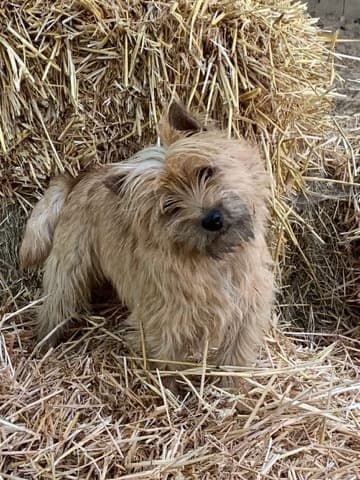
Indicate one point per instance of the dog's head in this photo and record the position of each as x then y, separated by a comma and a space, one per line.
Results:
206, 196
212, 189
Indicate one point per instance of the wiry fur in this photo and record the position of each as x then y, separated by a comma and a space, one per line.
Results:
138, 224
41, 225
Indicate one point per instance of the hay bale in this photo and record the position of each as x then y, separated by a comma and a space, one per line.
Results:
323, 292
84, 83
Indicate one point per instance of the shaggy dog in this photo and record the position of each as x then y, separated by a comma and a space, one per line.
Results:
178, 230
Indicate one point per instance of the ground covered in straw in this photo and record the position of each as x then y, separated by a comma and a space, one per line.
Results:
89, 411
84, 83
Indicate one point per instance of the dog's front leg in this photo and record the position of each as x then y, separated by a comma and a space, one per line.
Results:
156, 342
238, 347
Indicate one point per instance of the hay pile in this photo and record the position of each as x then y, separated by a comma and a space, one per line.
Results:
84, 82
88, 412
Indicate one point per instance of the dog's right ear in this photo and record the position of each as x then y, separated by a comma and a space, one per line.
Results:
115, 182
177, 124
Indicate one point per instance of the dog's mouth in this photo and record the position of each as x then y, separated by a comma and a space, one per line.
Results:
224, 231
219, 254
228, 240
219, 249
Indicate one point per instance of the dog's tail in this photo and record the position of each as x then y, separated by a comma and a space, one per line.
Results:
39, 232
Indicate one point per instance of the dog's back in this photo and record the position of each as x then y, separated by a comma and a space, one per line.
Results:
38, 238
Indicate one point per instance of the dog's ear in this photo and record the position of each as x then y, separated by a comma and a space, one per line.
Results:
177, 124
179, 119
115, 182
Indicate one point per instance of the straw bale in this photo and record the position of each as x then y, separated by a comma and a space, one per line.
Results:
84, 82
321, 286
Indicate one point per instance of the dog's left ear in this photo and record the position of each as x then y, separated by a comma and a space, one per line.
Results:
178, 124
180, 120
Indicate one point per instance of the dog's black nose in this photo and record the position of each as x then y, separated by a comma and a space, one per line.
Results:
213, 221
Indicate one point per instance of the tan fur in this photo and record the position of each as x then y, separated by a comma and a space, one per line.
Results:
138, 224
41, 225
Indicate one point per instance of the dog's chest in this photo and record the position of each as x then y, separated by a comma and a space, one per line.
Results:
205, 294
193, 297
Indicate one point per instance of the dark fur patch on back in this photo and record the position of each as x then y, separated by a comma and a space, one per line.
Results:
115, 182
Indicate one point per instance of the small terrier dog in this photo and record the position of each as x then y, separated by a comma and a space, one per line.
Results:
179, 231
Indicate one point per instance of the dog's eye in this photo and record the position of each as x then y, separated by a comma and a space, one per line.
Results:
170, 205
205, 173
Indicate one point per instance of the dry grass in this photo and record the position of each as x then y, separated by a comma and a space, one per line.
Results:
89, 411
325, 295
84, 82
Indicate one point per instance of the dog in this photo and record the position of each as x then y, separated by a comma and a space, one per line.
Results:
179, 230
